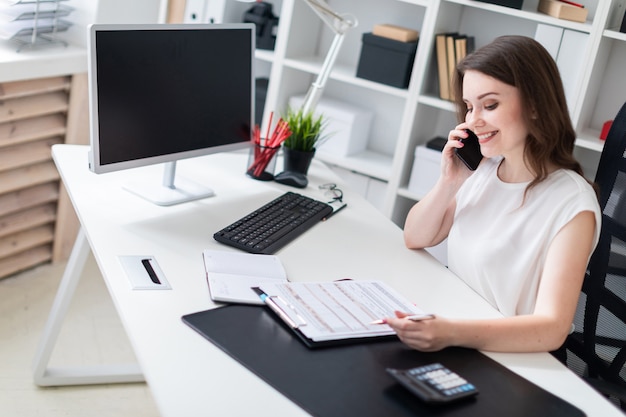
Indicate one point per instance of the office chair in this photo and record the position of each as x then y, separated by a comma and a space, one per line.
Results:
597, 349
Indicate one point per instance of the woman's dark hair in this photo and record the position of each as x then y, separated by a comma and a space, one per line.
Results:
524, 63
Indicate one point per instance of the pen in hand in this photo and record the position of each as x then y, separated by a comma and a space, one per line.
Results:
414, 317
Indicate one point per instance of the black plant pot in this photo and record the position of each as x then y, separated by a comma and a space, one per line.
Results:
296, 166
297, 161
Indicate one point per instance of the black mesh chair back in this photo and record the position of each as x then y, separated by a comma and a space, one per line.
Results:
597, 348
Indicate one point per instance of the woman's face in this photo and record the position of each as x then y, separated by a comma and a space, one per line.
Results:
494, 113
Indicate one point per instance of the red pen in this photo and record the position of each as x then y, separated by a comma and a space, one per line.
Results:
571, 3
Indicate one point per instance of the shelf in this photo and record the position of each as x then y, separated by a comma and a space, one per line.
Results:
588, 139
264, 55
34, 1
28, 198
25, 154
373, 164
32, 129
437, 103
423, 3
27, 177
21, 241
25, 260
343, 73
527, 14
52, 62
615, 35
32, 87
32, 106
27, 219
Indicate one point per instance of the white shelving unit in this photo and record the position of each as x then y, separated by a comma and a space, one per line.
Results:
405, 118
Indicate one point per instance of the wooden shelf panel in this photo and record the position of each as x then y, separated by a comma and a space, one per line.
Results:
27, 154
28, 197
33, 87
31, 106
33, 117
25, 260
28, 239
31, 129
27, 219
28, 176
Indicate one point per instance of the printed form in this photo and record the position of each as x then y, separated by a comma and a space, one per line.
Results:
339, 309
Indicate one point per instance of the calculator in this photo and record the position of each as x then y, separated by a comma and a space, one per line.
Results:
434, 383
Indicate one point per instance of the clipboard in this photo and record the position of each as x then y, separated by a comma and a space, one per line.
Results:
335, 313
290, 320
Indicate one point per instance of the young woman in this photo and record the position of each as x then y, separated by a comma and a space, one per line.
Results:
521, 228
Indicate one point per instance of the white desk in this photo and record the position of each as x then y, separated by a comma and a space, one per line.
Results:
188, 375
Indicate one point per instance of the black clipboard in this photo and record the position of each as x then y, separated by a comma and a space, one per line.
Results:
351, 380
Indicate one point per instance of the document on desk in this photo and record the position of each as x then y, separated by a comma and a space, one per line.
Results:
323, 312
230, 275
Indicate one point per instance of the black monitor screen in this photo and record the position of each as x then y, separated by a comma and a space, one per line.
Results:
165, 92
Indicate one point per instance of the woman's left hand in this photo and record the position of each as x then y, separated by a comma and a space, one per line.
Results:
428, 335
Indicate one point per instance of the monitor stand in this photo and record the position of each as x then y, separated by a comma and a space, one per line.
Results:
168, 193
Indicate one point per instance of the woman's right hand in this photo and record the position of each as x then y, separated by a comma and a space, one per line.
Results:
429, 220
452, 168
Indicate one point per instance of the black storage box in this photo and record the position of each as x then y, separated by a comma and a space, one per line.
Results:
386, 60
515, 4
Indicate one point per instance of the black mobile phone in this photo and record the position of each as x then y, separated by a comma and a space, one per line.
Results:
470, 152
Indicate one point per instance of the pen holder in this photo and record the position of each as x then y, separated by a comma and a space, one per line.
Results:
262, 162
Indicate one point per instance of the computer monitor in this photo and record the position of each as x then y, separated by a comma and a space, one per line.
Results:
164, 92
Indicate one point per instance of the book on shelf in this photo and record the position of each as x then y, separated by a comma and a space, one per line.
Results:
395, 32
442, 66
563, 10
460, 47
231, 275
451, 61
451, 48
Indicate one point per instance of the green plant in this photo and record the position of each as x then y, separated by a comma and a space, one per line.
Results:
306, 130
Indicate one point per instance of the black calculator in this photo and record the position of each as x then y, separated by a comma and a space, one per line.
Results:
434, 383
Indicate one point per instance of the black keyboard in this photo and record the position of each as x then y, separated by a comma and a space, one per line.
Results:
277, 223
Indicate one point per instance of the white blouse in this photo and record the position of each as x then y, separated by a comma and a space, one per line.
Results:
498, 246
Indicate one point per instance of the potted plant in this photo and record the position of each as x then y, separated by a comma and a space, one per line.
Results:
306, 133
306, 130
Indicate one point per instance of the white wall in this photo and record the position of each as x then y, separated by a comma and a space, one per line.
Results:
87, 12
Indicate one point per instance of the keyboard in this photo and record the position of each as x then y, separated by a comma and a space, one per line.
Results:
277, 223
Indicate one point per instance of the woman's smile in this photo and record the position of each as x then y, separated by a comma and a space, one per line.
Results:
485, 137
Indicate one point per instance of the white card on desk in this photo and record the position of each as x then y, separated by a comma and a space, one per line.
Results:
231, 275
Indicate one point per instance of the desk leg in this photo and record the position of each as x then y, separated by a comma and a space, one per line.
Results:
83, 375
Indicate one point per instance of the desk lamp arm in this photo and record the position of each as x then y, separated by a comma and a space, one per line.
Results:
340, 25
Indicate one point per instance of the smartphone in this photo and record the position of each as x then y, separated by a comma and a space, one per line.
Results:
470, 152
